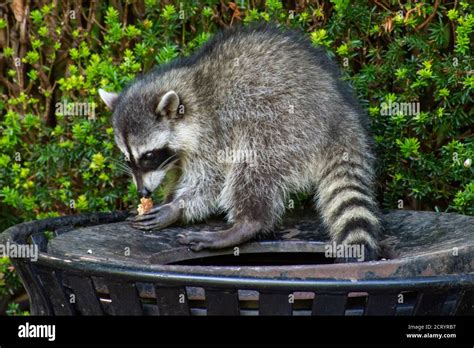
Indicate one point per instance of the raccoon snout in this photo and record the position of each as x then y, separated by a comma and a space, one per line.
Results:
144, 192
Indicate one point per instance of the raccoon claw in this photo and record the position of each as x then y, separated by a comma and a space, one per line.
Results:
157, 218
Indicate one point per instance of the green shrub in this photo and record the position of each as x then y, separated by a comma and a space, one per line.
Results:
52, 163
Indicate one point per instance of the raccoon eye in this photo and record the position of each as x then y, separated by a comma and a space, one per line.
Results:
148, 156
153, 159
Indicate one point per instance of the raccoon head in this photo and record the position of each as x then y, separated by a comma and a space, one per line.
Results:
145, 132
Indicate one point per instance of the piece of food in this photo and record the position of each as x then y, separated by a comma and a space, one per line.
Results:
145, 205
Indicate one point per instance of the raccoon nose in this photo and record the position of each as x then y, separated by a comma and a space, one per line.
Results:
145, 193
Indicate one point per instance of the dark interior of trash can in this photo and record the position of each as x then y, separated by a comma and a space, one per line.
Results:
263, 253
259, 259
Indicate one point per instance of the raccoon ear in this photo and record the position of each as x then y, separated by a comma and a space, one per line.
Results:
168, 105
109, 98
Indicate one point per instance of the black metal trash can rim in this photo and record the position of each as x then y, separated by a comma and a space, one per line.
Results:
231, 277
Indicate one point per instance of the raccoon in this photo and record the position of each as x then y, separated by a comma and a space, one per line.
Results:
256, 114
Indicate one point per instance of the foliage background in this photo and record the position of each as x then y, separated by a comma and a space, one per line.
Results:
64, 50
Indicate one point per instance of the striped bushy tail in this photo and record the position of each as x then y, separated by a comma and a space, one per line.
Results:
346, 201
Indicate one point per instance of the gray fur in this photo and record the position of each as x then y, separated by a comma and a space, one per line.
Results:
268, 92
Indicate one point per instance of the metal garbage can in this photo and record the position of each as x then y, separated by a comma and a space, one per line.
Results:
96, 264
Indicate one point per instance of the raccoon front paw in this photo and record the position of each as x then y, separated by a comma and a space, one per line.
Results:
157, 218
197, 241
239, 233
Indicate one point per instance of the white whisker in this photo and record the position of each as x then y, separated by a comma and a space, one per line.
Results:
167, 161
